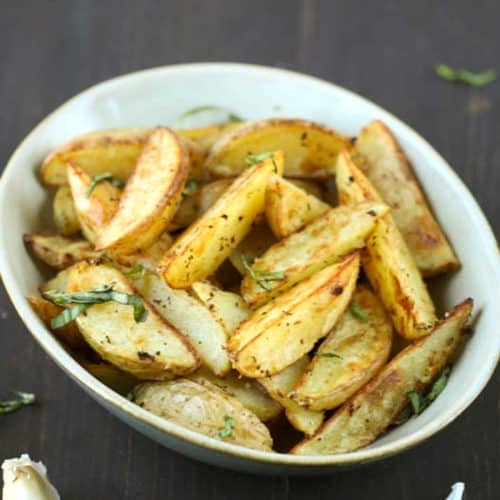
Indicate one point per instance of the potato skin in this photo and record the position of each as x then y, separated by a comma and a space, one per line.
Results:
204, 409
389, 170
65, 217
371, 410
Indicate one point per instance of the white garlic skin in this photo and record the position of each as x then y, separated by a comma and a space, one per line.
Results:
24, 479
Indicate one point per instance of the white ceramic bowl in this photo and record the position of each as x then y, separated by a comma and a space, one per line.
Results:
159, 96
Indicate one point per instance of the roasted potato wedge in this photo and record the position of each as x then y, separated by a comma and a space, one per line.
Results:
206, 137
259, 239
389, 170
279, 387
152, 349
313, 188
46, 310
58, 282
280, 332
151, 196
369, 412
227, 307
190, 317
351, 354
58, 251
388, 263
65, 217
205, 409
248, 392
289, 208
201, 249
94, 210
211, 192
310, 149
111, 376
324, 241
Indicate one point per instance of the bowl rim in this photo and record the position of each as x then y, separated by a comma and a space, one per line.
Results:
102, 393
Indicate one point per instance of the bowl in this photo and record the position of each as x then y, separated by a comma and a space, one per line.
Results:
160, 96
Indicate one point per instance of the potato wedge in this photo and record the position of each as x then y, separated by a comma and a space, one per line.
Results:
46, 310
388, 262
152, 349
209, 241
314, 188
211, 192
65, 217
349, 357
248, 392
279, 387
151, 196
289, 208
227, 307
59, 251
322, 242
370, 411
207, 336
111, 376
94, 210
58, 282
257, 242
388, 168
280, 332
310, 149
205, 409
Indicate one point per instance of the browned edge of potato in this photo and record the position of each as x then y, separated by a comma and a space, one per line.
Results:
371, 410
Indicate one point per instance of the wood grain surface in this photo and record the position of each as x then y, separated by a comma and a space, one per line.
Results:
383, 50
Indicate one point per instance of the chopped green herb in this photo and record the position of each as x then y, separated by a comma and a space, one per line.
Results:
137, 271
101, 178
130, 396
419, 403
227, 429
190, 188
357, 311
86, 298
262, 278
23, 399
230, 116
329, 355
465, 76
254, 159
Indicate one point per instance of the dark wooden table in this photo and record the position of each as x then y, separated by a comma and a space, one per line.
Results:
384, 50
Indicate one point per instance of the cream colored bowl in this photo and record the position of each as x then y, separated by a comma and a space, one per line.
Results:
159, 96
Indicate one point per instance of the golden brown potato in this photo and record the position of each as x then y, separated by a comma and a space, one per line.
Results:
310, 149
152, 349
195, 321
109, 375
356, 348
58, 251
289, 208
65, 217
314, 188
279, 387
151, 196
248, 392
392, 175
259, 239
58, 282
202, 248
205, 409
46, 310
369, 412
324, 241
280, 332
388, 262
211, 192
95, 209
227, 307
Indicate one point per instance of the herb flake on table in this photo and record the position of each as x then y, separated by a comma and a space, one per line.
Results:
419, 403
475, 79
86, 298
101, 178
23, 399
262, 278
